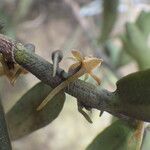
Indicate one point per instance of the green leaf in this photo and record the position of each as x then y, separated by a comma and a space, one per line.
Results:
23, 118
6, 25
23, 9
143, 23
110, 13
118, 57
133, 93
135, 88
135, 40
139, 48
118, 136
1, 26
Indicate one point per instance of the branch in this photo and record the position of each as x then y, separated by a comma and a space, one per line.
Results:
86, 93
126, 101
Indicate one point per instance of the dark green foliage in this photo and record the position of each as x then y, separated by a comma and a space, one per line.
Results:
143, 23
133, 92
23, 118
134, 88
118, 136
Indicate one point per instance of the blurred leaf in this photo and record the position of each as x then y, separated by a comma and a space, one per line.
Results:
118, 57
143, 23
110, 13
113, 52
123, 58
23, 118
22, 9
1, 26
7, 23
136, 45
135, 40
119, 135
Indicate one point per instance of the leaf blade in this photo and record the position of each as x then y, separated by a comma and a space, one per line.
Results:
23, 118
118, 136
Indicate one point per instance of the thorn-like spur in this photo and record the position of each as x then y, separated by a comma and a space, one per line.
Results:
83, 65
30, 47
81, 111
57, 56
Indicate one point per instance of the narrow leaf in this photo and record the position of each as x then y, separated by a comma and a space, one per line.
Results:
110, 14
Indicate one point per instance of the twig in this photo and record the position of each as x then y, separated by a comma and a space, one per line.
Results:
87, 94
